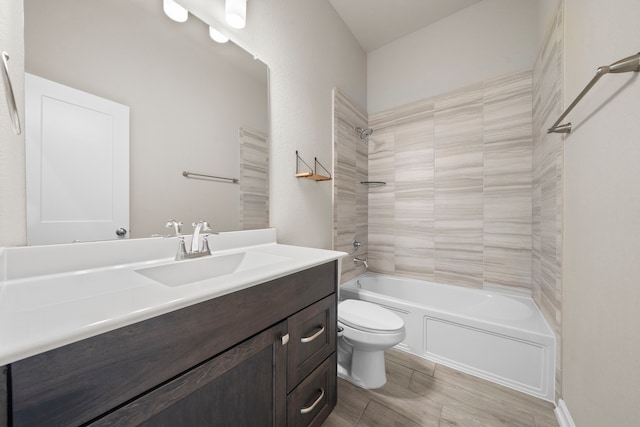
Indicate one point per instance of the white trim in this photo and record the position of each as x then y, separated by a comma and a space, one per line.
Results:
563, 416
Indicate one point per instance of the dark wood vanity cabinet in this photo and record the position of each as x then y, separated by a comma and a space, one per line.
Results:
263, 356
4, 404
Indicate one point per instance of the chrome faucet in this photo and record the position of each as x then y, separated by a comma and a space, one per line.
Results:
199, 226
195, 251
363, 261
177, 226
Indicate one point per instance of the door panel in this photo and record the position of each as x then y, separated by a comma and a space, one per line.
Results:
77, 164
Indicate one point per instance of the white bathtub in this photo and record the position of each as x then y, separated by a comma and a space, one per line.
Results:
499, 337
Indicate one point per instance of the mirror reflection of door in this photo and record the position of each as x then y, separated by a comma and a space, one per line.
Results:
77, 156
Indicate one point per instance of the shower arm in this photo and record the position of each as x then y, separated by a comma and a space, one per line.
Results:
625, 65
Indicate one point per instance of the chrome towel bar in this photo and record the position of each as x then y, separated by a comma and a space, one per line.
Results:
8, 91
625, 65
195, 175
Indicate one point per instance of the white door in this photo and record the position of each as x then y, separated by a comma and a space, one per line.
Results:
77, 154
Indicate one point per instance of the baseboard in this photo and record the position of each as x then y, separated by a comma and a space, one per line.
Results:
563, 416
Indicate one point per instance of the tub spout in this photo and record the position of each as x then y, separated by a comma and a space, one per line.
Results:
363, 261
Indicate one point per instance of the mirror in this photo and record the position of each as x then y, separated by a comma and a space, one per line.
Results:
192, 101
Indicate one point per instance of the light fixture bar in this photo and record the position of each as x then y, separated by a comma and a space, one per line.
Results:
174, 11
235, 13
217, 36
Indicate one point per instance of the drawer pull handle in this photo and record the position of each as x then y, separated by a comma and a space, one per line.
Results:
284, 339
310, 408
314, 336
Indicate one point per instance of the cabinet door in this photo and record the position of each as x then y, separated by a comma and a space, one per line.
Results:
244, 386
4, 400
313, 338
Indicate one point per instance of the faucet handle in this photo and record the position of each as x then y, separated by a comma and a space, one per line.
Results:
176, 225
205, 245
182, 250
203, 224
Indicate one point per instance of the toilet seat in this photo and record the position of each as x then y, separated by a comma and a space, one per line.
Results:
369, 317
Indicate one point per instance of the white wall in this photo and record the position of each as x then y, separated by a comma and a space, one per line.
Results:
601, 290
485, 40
12, 179
309, 51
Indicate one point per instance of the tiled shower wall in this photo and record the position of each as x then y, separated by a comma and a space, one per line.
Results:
254, 179
456, 208
547, 182
350, 196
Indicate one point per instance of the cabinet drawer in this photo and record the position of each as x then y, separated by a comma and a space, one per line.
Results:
312, 338
314, 399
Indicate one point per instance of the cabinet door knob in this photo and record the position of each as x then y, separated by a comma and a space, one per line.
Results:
284, 339
314, 336
310, 408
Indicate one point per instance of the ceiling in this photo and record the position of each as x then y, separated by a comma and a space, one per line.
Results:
375, 23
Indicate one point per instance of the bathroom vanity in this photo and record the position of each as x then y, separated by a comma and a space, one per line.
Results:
261, 355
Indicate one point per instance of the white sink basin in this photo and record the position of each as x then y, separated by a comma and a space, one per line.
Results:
196, 270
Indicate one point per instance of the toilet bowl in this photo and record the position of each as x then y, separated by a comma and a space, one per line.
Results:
367, 331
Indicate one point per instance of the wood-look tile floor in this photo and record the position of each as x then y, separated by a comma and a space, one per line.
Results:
422, 393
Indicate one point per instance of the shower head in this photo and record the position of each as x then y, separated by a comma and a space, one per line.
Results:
364, 133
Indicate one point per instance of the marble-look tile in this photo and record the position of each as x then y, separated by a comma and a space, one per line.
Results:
362, 196
381, 234
382, 120
508, 108
381, 157
350, 168
508, 181
414, 203
382, 200
254, 179
458, 188
459, 178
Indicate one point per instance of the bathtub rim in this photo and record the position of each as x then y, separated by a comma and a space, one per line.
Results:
496, 326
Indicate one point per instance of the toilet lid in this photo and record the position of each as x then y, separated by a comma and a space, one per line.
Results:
368, 316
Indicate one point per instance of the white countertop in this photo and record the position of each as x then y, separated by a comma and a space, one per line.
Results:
64, 304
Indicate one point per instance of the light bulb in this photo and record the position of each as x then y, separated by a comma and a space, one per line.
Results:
217, 35
235, 12
174, 11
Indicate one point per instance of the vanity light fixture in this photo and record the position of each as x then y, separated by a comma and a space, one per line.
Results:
174, 11
235, 12
217, 36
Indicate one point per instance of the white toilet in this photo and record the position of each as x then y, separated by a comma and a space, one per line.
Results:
367, 331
